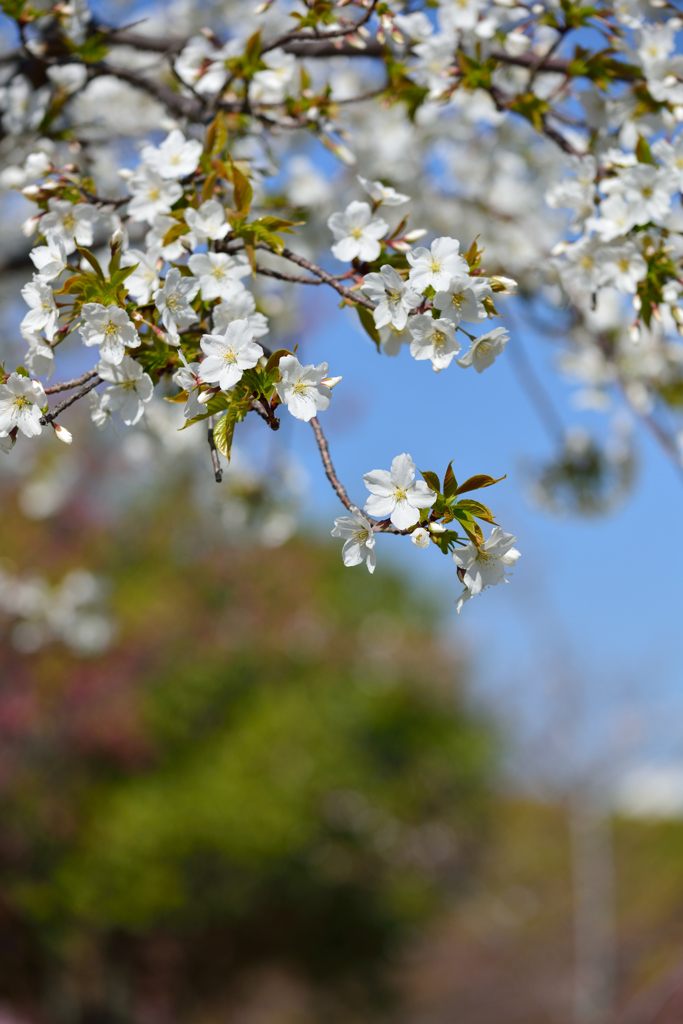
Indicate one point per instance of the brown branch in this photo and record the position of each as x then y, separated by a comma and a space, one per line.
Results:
51, 416
301, 261
335, 33
217, 471
183, 106
287, 277
330, 472
69, 384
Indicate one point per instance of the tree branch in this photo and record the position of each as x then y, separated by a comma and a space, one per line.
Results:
49, 417
217, 471
69, 384
330, 472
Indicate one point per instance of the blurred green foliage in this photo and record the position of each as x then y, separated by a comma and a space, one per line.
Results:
272, 764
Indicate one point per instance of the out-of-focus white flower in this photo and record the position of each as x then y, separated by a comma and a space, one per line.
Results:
239, 305
49, 260
144, 280
275, 82
381, 194
73, 222
484, 350
132, 388
21, 403
207, 224
43, 314
152, 194
176, 157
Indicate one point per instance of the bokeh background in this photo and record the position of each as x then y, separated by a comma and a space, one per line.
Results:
240, 783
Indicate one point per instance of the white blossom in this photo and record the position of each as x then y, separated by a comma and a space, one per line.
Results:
187, 378
73, 222
21, 403
392, 341
154, 238
357, 233
202, 65
383, 195
43, 314
144, 280
300, 388
420, 537
275, 82
359, 539
393, 296
464, 299
483, 350
433, 339
207, 224
152, 194
395, 494
484, 566
110, 328
176, 157
229, 354
173, 301
218, 274
131, 389
623, 266
436, 266
49, 260
240, 305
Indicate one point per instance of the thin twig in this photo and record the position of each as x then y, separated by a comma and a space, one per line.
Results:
287, 277
347, 293
287, 37
67, 385
330, 472
49, 417
217, 471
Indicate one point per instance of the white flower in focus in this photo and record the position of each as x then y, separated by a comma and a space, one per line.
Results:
300, 388
437, 266
73, 222
383, 195
132, 388
218, 274
393, 296
229, 355
21, 403
420, 537
484, 566
187, 378
359, 539
43, 314
110, 328
623, 266
173, 301
395, 494
176, 157
239, 306
464, 299
49, 260
151, 194
483, 351
433, 339
357, 233
144, 280
207, 224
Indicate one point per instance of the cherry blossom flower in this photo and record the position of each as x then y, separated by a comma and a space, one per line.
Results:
40, 358
420, 537
300, 388
623, 266
383, 195
202, 65
154, 238
392, 341
433, 339
395, 494
152, 194
207, 224
272, 84
240, 305
43, 314
176, 157
218, 274
173, 301
110, 328
394, 298
131, 389
357, 233
483, 350
228, 355
484, 566
437, 266
464, 299
21, 403
359, 539
49, 260
187, 378
145, 278
73, 222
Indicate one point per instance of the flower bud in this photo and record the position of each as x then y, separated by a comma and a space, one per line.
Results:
420, 537
62, 434
31, 191
412, 236
437, 528
205, 397
116, 239
330, 382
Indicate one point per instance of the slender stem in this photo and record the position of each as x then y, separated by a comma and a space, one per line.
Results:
67, 385
51, 416
347, 293
298, 279
330, 471
217, 471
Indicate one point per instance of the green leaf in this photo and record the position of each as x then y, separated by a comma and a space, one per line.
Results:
471, 528
476, 508
223, 432
274, 359
368, 323
87, 255
450, 484
243, 192
475, 482
643, 151
432, 480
